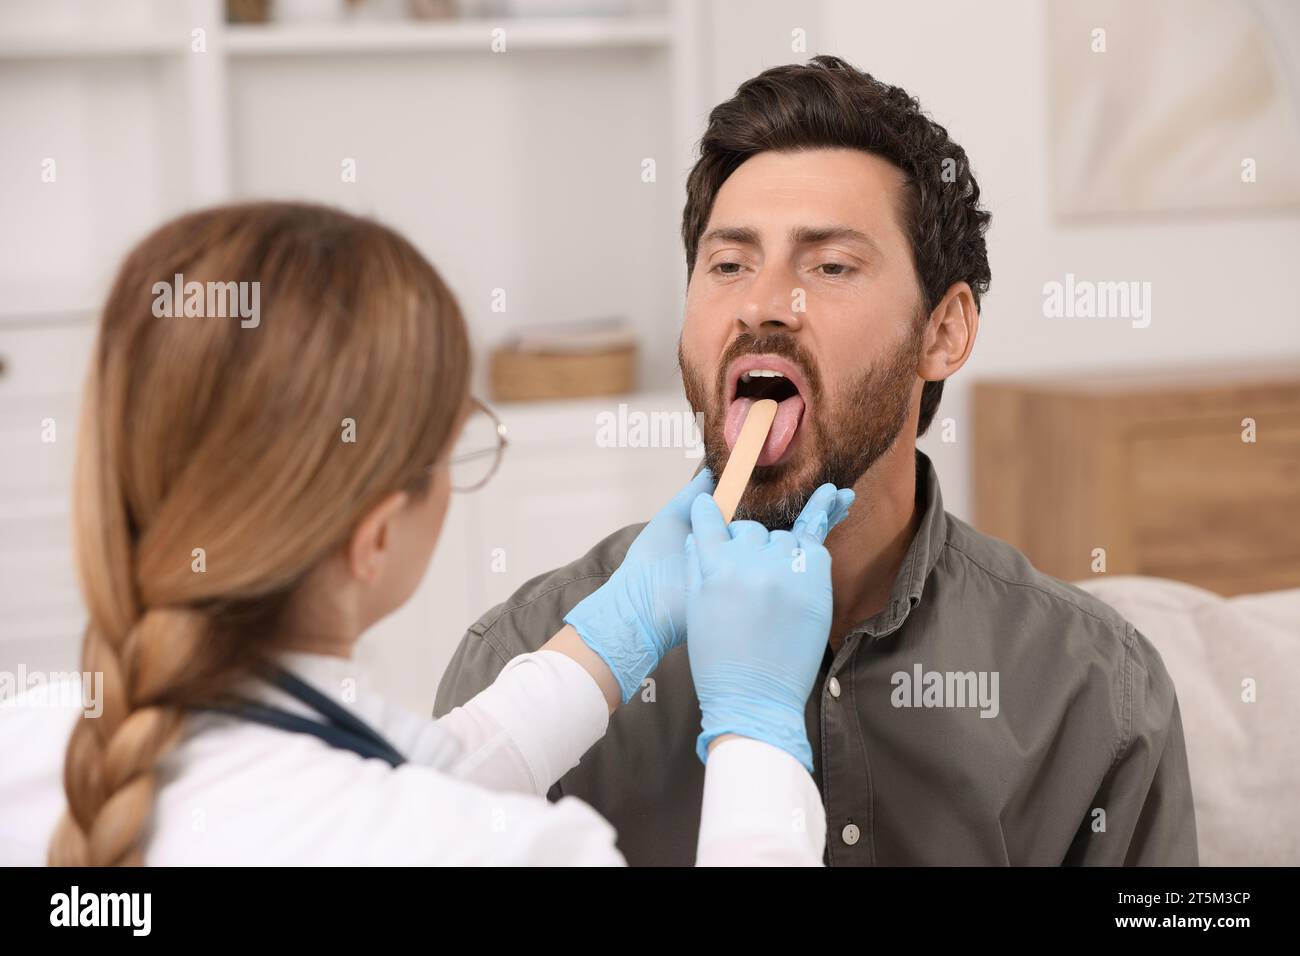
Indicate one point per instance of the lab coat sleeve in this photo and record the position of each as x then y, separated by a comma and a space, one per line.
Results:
466, 825
761, 808
544, 711
530, 726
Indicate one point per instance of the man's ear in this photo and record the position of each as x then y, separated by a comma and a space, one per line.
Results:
949, 334
371, 540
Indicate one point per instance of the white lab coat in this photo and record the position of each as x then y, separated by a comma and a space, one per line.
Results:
240, 793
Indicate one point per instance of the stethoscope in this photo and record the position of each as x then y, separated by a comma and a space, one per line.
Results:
341, 728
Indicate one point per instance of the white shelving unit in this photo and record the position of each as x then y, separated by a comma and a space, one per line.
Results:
468, 36
502, 167
156, 45
56, 45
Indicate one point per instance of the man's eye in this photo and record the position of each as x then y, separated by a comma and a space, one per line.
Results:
727, 268
833, 268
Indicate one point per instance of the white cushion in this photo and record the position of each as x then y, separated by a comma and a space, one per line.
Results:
1244, 757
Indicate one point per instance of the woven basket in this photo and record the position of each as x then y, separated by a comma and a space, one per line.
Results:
534, 376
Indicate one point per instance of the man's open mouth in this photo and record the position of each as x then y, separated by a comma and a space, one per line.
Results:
754, 377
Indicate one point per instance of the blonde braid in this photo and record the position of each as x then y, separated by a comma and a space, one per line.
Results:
110, 773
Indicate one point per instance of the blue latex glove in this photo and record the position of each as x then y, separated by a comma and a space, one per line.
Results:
759, 615
635, 617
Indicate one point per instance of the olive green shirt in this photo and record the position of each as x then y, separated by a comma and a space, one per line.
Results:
989, 715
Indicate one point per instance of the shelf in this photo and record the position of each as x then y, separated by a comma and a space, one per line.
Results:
453, 35
50, 301
56, 46
367, 36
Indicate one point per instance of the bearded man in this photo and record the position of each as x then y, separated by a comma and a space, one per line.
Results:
836, 259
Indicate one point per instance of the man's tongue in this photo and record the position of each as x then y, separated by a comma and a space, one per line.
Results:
788, 415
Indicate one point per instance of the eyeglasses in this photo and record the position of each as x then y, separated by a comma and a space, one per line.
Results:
477, 453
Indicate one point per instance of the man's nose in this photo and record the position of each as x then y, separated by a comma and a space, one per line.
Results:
773, 303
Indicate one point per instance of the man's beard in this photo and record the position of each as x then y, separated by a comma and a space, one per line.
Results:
849, 433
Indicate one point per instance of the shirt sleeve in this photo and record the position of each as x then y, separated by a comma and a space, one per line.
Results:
530, 726
1149, 816
476, 663
761, 808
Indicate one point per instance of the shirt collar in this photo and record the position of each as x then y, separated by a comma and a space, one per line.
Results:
922, 555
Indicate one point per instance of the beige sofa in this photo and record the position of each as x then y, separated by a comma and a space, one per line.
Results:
1244, 756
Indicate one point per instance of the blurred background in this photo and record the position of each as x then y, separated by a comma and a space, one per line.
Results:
536, 152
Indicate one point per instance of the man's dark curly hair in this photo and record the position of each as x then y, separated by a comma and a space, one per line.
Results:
827, 103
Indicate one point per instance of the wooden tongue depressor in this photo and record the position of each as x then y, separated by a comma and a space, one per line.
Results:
735, 477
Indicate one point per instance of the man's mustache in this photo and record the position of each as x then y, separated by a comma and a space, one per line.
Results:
783, 344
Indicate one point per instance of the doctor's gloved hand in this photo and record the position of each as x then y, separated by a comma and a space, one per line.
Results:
759, 616
636, 616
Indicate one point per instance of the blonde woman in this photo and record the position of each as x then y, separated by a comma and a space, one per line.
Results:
250, 497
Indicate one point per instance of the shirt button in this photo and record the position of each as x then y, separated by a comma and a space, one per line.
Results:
850, 834
833, 686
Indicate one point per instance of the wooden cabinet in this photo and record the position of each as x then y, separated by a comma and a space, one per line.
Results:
1158, 469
